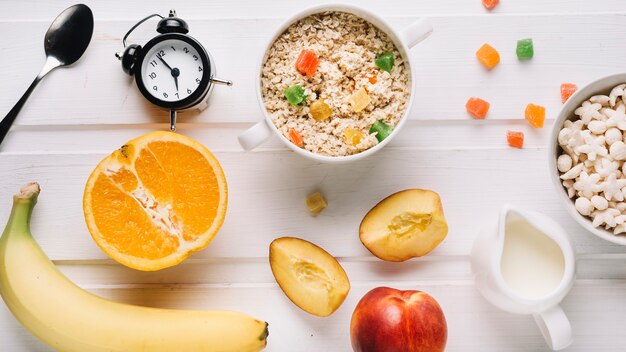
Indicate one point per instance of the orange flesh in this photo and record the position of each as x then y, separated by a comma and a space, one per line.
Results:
132, 233
143, 205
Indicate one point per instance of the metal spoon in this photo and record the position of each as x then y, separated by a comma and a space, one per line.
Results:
65, 42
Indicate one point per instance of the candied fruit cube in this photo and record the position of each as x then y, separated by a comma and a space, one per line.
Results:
535, 115
567, 89
353, 136
525, 49
490, 4
295, 95
319, 110
316, 203
488, 56
373, 78
381, 129
477, 107
385, 61
515, 139
359, 100
307, 63
296, 137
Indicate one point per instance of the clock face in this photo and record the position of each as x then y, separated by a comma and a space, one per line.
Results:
172, 70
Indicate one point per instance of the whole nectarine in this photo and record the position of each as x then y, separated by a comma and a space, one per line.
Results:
390, 320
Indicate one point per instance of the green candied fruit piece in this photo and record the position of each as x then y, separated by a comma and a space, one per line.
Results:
525, 49
295, 95
385, 61
381, 129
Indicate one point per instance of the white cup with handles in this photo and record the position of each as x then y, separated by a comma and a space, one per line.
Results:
524, 288
403, 40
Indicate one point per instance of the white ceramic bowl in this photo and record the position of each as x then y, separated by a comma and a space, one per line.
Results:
600, 86
403, 40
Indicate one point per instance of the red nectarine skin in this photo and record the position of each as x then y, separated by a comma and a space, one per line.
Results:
390, 320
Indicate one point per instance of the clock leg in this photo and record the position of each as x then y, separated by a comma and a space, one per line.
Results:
225, 82
173, 120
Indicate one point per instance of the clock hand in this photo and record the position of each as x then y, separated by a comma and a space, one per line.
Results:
174, 71
175, 74
163, 61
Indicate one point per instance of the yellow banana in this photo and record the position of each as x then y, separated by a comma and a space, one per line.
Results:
69, 318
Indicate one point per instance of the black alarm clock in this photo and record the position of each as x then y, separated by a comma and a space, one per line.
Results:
172, 70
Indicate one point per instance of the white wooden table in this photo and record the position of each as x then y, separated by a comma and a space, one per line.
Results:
78, 115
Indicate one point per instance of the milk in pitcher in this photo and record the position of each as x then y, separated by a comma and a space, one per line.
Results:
532, 264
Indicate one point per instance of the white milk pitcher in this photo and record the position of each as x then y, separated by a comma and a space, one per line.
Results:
525, 264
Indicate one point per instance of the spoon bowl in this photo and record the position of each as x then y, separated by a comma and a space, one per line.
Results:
69, 34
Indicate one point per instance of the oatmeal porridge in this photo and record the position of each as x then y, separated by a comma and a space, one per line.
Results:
334, 84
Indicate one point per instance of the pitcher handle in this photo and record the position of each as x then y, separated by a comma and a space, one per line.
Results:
555, 327
255, 135
416, 32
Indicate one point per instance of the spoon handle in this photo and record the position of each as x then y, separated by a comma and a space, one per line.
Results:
8, 120
6, 123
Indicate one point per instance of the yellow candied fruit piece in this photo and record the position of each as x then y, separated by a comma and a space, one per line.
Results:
359, 100
316, 203
319, 110
353, 137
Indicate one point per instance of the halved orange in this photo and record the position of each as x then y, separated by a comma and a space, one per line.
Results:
155, 201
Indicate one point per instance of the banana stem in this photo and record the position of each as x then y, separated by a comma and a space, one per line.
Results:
29, 190
23, 204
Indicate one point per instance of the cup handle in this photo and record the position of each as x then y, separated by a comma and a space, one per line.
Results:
555, 327
255, 135
416, 32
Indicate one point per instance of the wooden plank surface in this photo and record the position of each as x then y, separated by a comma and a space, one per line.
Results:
78, 115
447, 72
267, 202
473, 324
121, 9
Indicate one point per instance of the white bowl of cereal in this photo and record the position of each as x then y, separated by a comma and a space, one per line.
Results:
588, 157
335, 83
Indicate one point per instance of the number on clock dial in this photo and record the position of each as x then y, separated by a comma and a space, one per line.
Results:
178, 55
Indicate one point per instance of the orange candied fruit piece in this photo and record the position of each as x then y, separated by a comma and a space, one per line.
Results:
535, 115
567, 89
373, 78
296, 137
477, 107
515, 139
490, 4
307, 63
488, 56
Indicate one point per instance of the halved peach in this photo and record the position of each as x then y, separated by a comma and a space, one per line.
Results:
310, 277
404, 225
